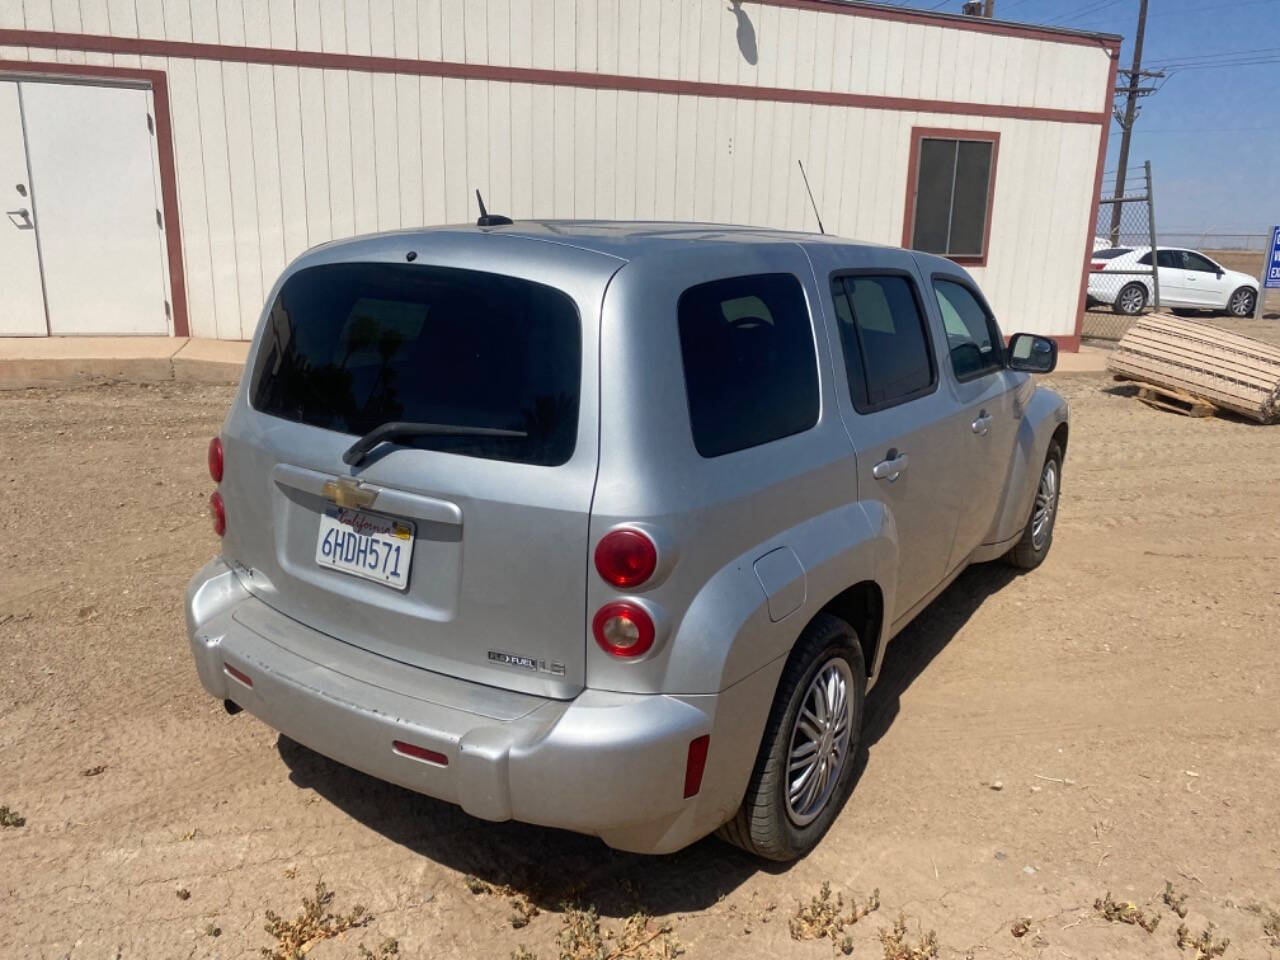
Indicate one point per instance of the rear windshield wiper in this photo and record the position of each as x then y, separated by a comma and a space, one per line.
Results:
400, 428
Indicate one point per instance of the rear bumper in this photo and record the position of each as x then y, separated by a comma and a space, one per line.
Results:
604, 763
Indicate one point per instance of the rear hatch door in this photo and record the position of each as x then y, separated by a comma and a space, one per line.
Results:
460, 547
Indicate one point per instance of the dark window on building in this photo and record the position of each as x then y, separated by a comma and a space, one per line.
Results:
351, 346
952, 195
883, 336
973, 338
750, 370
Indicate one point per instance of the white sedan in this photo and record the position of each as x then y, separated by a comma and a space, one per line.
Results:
1121, 277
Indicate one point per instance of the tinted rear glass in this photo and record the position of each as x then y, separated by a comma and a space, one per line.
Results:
749, 365
1109, 254
351, 346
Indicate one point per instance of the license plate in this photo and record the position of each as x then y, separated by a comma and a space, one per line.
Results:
366, 545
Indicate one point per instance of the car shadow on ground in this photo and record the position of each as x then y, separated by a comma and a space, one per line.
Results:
552, 867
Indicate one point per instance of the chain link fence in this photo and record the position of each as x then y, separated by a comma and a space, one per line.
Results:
1123, 281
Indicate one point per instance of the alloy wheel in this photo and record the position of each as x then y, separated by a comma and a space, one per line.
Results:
1241, 303
819, 741
1046, 503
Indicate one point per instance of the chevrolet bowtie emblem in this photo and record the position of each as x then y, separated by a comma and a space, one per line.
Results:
346, 492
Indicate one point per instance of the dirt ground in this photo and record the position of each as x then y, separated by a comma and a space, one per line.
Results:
1105, 724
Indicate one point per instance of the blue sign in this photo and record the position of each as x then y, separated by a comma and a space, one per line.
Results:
1271, 281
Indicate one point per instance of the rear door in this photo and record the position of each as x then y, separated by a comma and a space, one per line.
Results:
985, 420
894, 412
463, 553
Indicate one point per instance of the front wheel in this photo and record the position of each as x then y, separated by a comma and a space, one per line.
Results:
1242, 302
1037, 535
804, 771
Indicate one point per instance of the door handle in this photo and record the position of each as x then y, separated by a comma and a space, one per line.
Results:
24, 218
892, 467
982, 424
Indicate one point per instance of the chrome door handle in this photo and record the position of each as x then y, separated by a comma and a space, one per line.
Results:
982, 424
24, 214
892, 468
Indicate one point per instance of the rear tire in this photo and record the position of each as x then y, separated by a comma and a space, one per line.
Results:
1132, 300
1037, 536
1242, 302
786, 812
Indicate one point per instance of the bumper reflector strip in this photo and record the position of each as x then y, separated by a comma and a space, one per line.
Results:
696, 764
419, 753
238, 675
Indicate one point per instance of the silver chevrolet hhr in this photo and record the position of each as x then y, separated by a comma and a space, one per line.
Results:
606, 526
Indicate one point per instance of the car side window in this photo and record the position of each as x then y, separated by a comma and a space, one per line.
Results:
1195, 261
1145, 260
884, 340
750, 368
1169, 258
973, 338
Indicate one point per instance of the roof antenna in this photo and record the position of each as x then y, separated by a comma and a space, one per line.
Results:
811, 200
487, 219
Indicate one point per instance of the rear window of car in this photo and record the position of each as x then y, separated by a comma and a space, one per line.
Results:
351, 346
750, 371
1110, 254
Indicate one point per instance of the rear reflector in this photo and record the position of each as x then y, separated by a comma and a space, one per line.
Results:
233, 672
696, 764
419, 753
218, 513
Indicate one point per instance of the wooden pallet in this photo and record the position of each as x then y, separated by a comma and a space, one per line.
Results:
1174, 401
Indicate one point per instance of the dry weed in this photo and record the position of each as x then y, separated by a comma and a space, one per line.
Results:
1122, 911
1270, 924
11, 818
316, 922
824, 917
389, 948
1021, 927
1206, 945
1177, 902
581, 938
523, 909
898, 947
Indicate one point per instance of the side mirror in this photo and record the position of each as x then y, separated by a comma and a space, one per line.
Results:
1032, 353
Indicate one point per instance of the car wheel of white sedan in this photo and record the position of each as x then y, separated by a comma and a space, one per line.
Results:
1242, 303
1133, 297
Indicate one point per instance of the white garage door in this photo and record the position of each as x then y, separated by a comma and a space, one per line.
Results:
94, 208
21, 300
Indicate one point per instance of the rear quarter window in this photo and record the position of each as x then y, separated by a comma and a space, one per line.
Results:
351, 346
750, 371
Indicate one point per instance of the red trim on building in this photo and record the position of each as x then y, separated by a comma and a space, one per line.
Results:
134, 46
1000, 28
919, 134
164, 150
1093, 208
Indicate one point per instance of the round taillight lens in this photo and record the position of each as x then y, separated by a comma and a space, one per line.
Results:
215, 459
218, 511
623, 629
626, 558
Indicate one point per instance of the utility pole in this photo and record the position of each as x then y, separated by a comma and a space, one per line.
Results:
1126, 124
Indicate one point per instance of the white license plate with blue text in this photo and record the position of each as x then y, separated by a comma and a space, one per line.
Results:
366, 545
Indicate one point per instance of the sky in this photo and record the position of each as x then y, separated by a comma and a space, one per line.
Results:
1212, 132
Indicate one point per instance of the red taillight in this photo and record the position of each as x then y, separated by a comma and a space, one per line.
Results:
626, 558
419, 753
238, 674
215, 459
696, 763
218, 511
623, 629
1097, 267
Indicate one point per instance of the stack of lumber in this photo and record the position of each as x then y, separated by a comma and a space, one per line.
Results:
1199, 360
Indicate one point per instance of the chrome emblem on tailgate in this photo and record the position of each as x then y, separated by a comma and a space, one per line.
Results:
526, 663
346, 492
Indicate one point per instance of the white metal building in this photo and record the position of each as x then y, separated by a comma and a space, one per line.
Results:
162, 160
